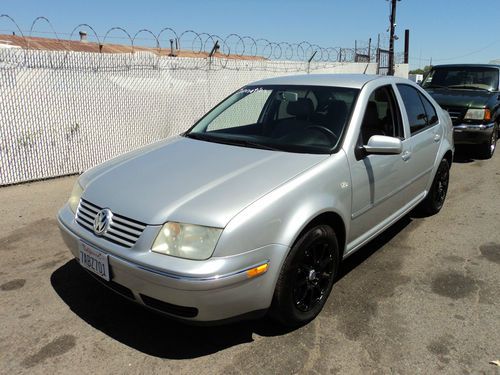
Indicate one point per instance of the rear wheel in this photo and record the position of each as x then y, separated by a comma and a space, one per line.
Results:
434, 200
307, 277
488, 149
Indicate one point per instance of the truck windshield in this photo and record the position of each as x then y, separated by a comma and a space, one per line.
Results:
472, 78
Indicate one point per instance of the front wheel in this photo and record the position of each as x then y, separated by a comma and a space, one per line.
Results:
306, 277
434, 200
488, 149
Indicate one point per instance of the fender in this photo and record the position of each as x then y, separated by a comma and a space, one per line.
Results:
272, 219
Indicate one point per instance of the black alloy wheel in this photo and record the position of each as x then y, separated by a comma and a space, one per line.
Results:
307, 277
436, 196
313, 273
443, 179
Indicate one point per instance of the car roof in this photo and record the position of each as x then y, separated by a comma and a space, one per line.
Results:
466, 65
339, 80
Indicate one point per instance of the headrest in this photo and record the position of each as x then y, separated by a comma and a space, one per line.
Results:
337, 108
372, 111
303, 107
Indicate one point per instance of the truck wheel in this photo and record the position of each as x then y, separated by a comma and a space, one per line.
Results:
488, 149
307, 277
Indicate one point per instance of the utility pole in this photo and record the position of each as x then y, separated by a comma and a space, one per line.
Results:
392, 37
407, 46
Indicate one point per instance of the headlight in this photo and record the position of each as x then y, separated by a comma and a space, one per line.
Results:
186, 241
478, 114
74, 198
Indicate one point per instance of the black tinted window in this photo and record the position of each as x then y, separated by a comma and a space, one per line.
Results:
430, 111
414, 108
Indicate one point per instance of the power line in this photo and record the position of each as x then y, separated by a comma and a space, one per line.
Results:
470, 53
421, 59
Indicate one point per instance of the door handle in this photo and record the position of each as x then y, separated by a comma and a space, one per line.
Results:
437, 137
406, 155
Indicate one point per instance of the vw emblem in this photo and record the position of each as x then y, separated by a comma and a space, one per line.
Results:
102, 221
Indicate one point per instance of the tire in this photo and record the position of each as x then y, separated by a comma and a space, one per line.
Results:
434, 200
488, 149
307, 277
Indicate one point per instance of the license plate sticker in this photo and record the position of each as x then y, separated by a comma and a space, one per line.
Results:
94, 260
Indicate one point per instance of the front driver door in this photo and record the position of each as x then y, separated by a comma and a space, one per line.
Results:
380, 183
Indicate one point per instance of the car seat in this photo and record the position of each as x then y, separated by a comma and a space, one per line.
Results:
371, 123
301, 110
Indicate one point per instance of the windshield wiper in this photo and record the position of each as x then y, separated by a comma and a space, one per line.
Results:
244, 142
199, 136
435, 87
468, 87
230, 141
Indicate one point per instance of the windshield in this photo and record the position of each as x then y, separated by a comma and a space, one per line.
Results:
308, 119
473, 78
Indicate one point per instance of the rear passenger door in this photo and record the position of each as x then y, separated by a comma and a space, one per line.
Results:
425, 134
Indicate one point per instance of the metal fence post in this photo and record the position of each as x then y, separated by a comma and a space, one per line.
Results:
309, 62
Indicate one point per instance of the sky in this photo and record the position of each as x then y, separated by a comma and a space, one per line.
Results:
446, 31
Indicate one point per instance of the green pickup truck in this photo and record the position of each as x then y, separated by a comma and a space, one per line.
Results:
471, 95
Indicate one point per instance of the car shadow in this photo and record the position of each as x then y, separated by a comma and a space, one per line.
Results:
157, 335
144, 329
466, 154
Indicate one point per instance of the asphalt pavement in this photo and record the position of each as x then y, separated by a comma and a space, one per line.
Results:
422, 298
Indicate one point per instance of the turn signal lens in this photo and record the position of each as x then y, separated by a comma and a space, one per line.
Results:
259, 270
487, 115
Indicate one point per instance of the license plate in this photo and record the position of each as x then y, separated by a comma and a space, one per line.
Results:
94, 260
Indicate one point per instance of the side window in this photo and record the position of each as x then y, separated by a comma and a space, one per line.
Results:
430, 111
382, 116
414, 108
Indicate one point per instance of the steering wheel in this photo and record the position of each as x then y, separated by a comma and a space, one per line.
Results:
324, 130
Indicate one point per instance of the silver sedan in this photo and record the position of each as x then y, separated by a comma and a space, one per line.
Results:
253, 209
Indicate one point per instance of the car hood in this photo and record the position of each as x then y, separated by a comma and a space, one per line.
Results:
460, 98
193, 181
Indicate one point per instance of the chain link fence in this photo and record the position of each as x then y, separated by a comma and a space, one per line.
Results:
62, 112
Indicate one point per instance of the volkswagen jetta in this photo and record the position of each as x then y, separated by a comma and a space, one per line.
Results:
253, 209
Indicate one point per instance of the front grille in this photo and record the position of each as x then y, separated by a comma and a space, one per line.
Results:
456, 114
122, 231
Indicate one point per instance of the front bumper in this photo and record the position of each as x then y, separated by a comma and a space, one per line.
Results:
204, 291
472, 133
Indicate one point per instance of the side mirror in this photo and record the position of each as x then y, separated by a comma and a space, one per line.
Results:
383, 145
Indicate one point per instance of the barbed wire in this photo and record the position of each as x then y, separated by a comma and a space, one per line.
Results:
202, 44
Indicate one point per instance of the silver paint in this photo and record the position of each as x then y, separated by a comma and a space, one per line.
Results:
262, 199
